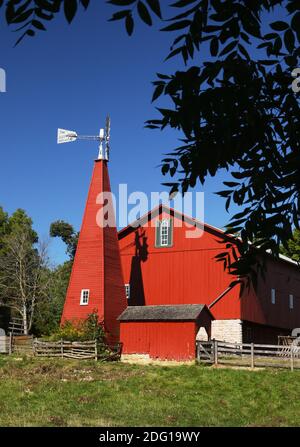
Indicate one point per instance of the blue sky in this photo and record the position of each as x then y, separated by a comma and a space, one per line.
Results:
71, 77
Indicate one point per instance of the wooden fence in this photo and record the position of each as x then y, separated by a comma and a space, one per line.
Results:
248, 354
28, 345
66, 349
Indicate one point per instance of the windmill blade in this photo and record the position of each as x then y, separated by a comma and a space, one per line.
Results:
66, 136
107, 128
107, 137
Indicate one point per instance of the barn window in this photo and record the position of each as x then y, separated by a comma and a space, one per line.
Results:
164, 230
273, 296
84, 298
291, 301
127, 291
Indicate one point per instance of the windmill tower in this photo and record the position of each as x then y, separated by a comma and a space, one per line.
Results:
96, 281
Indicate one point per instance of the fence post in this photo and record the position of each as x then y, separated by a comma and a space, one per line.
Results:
62, 348
215, 352
10, 344
252, 355
96, 351
292, 358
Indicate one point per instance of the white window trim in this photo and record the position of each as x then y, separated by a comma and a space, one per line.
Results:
82, 297
273, 296
127, 291
291, 301
164, 238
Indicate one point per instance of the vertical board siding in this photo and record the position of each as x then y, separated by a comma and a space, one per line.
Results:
166, 340
187, 273
97, 265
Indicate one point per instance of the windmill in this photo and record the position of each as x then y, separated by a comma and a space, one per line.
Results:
67, 136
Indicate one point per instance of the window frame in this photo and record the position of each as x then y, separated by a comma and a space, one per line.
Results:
164, 236
164, 232
84, 301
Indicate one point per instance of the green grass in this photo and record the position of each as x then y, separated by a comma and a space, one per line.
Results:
35, 392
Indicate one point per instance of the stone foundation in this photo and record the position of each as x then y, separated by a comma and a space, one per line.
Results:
227, 330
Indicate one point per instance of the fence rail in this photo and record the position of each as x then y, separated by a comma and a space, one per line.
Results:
248, 354
66, 349
63, 349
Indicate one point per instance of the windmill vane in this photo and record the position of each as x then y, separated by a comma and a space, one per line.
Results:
67, 136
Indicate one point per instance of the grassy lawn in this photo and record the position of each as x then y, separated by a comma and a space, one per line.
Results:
35, 392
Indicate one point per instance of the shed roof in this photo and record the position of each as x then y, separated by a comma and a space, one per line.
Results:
187, 312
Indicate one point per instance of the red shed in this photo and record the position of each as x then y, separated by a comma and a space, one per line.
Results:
163, 332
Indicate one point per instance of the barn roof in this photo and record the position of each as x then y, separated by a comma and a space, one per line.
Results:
186, 312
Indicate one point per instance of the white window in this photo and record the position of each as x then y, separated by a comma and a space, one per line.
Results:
164, 232
84, 298
273, 296
127, 291
291, 301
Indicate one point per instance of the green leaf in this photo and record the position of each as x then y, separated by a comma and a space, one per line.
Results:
158, 91
37, 24
129, 24
23, 17
214, 46
182, 3
155, 6
289, 40
228, 48
121, 2
85, 3
295, 22
177, 25
144, 13
120, 15
279, 26
70, 9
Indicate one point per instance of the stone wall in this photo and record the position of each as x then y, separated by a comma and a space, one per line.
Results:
227, 330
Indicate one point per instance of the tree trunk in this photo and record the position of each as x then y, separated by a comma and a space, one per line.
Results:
25, 323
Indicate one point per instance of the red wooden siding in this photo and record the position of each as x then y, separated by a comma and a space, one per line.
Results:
97, 264
162, 340
187, 273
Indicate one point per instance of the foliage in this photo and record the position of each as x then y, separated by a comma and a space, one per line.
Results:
48, 312
66, 232
61, 392
81, 330
23, 267
293, 247
236, 109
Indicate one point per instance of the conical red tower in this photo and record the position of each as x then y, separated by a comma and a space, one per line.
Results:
96, 281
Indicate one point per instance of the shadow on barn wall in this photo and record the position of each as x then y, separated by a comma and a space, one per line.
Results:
137, 294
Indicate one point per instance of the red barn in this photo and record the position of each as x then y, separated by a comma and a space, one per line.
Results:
176, 291
164, 268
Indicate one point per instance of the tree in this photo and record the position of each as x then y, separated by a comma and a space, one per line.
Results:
48, 312
67, 233
293, 247
23, 279
236, 109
